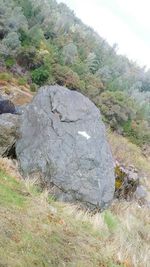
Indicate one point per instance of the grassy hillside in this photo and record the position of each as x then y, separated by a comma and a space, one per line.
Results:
35, 230
43, 42
128, 153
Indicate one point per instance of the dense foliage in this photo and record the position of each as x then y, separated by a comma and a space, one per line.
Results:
51, 45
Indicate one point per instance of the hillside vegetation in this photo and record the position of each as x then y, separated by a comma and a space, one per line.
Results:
45, 43
35, 230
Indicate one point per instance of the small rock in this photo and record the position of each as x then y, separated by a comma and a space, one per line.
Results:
133, 176
141, 192
52, 209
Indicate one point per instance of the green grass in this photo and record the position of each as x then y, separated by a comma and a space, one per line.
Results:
10, 191
110, 220
22, 81
36, 230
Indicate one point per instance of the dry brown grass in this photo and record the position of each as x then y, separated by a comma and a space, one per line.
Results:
129, 154
129, 237
37, 231
10, 167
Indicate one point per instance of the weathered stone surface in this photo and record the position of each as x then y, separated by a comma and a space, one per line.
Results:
141, 192
63, 139
6, 106
126, 181
8, 132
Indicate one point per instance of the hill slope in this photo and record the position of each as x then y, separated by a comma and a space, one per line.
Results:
37, 231
45, 43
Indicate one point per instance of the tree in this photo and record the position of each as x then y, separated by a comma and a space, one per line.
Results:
92, 62
117, 108
70, 53
66, 77
11, 21
11, 43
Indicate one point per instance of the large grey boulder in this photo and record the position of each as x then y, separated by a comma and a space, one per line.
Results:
63, 139
9, 125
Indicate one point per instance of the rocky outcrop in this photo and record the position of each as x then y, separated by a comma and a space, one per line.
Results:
9, 125
129, 185
126, 181
63, 140
6, 106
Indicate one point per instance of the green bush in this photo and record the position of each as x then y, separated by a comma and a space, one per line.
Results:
5, 76
65, 76
40, 75
9, 62
117, 107
29, 58
80, 68
93, 86
24, 38
22, 81
33, 87
137, 131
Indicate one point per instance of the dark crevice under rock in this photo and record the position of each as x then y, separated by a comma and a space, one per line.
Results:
11, 152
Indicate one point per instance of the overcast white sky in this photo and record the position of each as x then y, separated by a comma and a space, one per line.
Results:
125, 22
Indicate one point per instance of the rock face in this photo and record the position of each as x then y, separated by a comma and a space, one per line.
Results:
63, 139
126, 181
8, 133
6, 106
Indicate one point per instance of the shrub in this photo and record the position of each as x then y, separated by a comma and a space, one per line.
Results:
40, 75
5, 76
33, 87
70, 53
11, 42
66, 77
36, 35
117, 108
22, 81
29, 58
80, 68
137, 131
24, 38
92, 80
9, 62
93, 85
